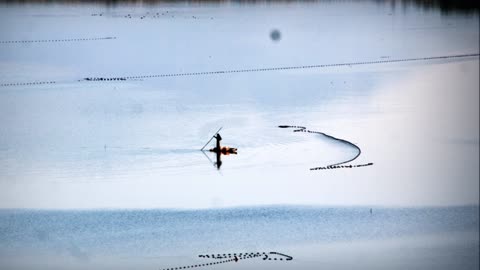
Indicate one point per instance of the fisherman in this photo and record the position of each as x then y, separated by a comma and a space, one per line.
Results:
218, 138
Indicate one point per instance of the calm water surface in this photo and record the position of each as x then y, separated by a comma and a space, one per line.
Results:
135, 144
153, 239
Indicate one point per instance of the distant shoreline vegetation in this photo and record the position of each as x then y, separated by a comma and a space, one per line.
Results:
445, 6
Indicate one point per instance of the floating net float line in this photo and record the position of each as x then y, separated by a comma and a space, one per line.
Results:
281, 68
222, 72
234, 257
55, 40
32, 83
60, 82
27, 83
338, 165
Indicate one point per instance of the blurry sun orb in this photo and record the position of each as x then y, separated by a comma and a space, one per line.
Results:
275, 35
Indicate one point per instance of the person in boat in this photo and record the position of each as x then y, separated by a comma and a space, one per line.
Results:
222, 150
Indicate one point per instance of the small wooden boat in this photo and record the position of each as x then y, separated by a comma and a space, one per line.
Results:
224, 150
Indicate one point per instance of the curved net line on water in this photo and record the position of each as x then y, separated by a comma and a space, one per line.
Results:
234, 257
337, 165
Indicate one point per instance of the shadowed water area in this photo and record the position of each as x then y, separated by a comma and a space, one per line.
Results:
339, 106
162, 239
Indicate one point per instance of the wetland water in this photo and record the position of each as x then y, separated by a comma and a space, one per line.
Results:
133, 143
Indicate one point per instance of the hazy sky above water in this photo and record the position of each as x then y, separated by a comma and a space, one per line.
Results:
134, 144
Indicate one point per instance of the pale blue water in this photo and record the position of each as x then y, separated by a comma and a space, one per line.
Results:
89, 236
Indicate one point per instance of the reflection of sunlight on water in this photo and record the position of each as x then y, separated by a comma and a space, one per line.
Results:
420, 114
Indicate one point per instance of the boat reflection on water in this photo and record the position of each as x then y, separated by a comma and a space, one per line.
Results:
218, 156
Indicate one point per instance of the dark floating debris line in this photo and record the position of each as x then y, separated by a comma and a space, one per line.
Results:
125, 78
55, 40
164, 14
279, 68
234, 257
335, 165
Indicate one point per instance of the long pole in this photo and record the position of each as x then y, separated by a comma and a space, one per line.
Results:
211, 139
